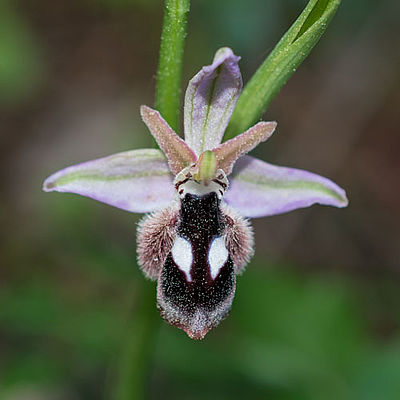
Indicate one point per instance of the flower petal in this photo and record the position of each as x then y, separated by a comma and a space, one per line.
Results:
227, 153
179, 154
210, 99
259, 189
136, 181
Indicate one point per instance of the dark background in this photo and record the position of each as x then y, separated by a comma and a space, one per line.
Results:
316, 315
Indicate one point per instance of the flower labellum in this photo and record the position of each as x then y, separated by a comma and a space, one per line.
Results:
197, 237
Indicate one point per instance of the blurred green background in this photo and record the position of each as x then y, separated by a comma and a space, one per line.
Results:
316, 315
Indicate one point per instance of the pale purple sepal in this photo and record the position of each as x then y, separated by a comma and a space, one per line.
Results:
259, 189
210, 99
137, 181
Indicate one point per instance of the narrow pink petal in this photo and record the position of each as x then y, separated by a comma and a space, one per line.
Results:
227, 153
178, 153
210, 99
259, 189
137, 181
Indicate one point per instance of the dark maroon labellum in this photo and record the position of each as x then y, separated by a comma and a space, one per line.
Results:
193, 299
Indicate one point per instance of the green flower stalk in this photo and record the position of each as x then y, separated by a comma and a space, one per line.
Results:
168, 89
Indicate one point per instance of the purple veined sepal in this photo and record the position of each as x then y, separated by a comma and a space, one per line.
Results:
210, 99
260, 189
137, 181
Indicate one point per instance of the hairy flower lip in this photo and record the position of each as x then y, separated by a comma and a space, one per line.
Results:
197, 335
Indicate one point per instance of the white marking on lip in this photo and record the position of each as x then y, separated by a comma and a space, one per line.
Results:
217, 256
182, 255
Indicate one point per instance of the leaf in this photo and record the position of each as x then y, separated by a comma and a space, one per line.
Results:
280, 65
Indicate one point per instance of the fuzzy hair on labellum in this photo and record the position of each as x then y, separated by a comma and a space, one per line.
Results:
156, 233
197, 283
194, 249
198, 324
155, 236
239, 238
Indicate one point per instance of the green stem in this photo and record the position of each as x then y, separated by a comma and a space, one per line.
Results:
168, 90
136, 353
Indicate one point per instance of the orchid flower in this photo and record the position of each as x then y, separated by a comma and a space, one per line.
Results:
197, 237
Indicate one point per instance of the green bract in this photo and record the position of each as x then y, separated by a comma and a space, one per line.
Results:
280, 65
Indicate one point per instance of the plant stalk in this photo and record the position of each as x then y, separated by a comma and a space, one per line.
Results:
169, 74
